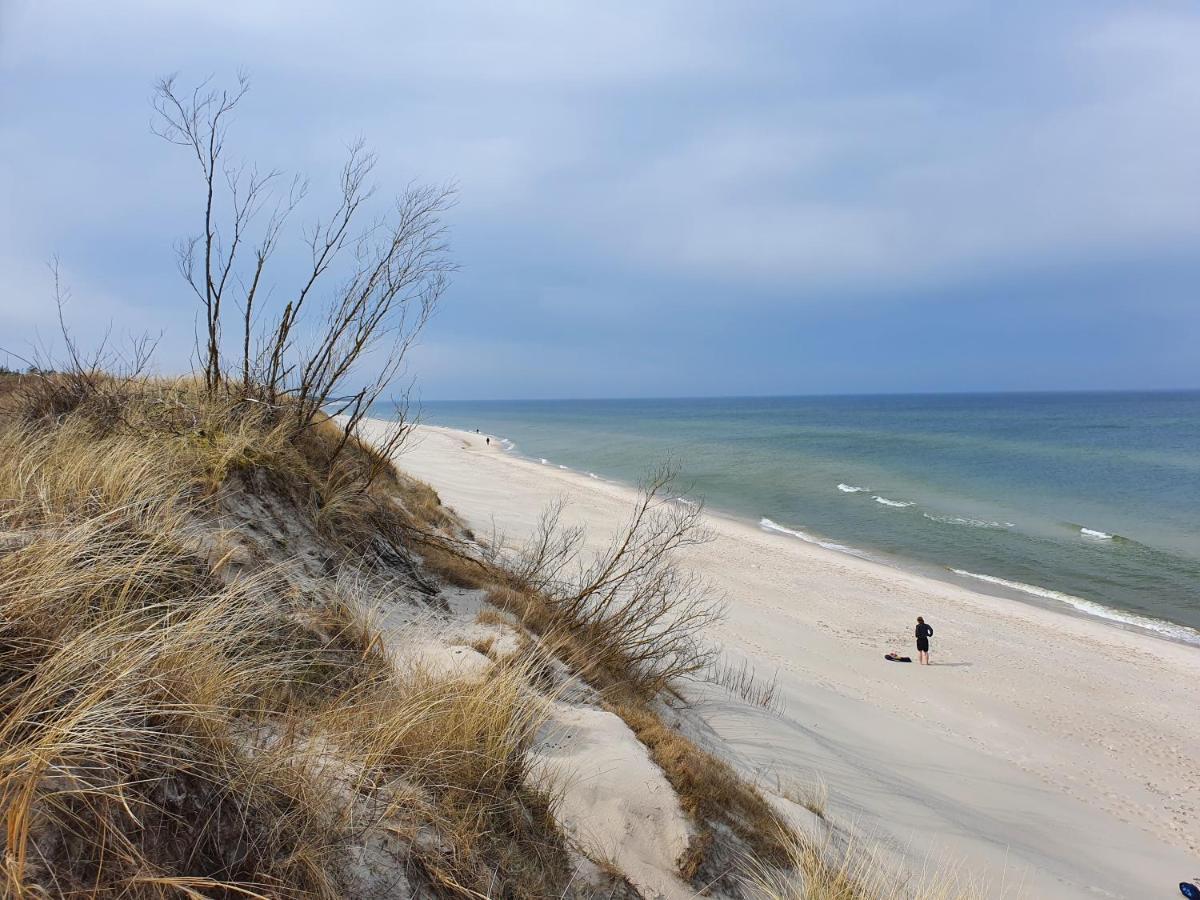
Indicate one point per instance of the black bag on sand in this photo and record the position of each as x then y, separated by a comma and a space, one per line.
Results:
895, 657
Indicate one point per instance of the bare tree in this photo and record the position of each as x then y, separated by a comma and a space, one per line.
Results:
199, 122
365, 293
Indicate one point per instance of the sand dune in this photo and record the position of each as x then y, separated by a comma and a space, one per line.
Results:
1053, 755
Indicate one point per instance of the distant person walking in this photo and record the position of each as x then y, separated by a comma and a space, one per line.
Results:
924, 633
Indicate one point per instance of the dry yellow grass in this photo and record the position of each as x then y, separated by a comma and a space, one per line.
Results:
166, 730
848, 868
462, 743
813, 795
127, 746
171, 439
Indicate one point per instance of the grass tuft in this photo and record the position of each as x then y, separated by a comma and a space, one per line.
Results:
846, 868
742, 681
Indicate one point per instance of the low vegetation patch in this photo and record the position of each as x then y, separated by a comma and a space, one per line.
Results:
840, 866
168, 727
812, 795
742, 681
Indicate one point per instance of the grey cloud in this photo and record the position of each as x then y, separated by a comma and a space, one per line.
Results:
859, 153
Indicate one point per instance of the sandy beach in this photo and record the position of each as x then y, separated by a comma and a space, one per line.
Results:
1049, 755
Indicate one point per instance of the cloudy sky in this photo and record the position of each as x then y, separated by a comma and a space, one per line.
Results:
660, 198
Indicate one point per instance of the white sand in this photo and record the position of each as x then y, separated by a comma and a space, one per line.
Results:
613, 800
1053, 755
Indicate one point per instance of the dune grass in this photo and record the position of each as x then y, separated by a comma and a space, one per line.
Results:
813, 794
167, 730
846, 867
742, 681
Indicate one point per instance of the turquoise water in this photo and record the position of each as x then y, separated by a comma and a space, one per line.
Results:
1088, 502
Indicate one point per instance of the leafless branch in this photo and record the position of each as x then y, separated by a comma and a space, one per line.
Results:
377, 282
633, 602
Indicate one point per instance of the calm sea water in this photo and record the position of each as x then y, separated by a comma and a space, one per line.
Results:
1088, 502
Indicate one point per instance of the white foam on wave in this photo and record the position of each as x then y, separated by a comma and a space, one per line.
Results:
851, 488
593, 475
543, 461
562, 466
899, 504
686, 502
506, 444
970, 523
767, 525
1095, 535
1159, 626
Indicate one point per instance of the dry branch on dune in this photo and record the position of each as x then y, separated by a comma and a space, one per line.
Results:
369, 286
632, 614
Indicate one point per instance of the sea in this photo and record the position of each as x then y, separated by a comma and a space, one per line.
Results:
1084, 502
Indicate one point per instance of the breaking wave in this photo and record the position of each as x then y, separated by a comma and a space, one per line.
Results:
899, 504
767, 525
851, 488
970, 523
1169, 629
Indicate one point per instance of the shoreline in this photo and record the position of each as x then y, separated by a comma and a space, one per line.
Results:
1043, 751
984, 583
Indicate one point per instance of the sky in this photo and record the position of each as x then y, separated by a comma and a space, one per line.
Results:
656, 198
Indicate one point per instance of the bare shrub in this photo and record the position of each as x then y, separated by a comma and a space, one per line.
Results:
639, 617
368, 288
57, 384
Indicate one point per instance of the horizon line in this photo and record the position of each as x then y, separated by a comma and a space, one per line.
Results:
980, 393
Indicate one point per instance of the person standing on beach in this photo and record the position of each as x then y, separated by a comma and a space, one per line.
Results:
924, 633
